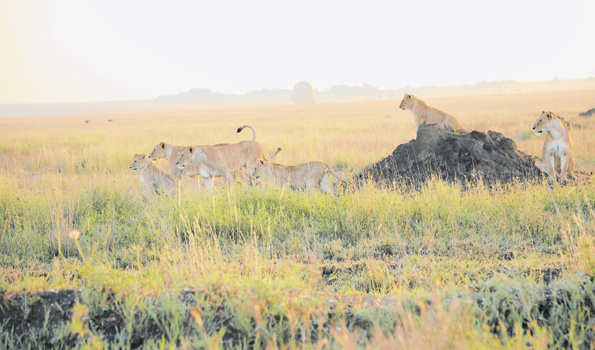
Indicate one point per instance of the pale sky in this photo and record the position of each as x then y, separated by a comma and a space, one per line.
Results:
65, 51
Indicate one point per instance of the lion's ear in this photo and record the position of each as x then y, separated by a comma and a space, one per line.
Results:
190, 149
261, 161
142, 156
162, 144
549, 115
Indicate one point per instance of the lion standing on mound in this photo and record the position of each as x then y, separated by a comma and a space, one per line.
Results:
423, 114
557, 158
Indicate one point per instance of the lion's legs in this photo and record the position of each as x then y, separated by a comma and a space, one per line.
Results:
194, 182
567, 166
570, 169
228, 176
563, 162
550, 168
170, 186
540, 165
208, 182
325, 184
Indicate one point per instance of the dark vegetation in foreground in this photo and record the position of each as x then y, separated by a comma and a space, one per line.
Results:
65, 318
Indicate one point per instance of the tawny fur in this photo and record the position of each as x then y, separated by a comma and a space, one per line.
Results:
153, 179
557, 159
424, 114
226, 160
306, 176
170, 153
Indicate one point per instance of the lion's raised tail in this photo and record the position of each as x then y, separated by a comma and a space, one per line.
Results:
275, 154
248, 126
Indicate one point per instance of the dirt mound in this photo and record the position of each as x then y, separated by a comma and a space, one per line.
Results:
459, 158
588, 113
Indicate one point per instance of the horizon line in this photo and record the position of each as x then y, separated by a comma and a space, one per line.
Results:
155, 99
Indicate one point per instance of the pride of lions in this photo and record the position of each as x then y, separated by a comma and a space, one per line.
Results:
247, 160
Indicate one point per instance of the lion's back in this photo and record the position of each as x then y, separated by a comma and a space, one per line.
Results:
436, 116
306, 174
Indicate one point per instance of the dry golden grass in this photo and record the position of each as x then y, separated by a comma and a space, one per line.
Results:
349, 135
252, 248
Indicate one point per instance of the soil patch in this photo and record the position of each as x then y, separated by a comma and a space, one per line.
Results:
459, 158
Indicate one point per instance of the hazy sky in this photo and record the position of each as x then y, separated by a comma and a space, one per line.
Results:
61, 51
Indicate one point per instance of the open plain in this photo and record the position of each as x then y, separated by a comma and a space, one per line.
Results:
433, 267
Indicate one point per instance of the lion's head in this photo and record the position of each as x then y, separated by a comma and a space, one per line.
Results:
406, 101
185, 156
138, 162
262, 171
158, 152
543, 123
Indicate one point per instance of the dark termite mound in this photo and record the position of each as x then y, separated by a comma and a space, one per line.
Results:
464, 158
589, 113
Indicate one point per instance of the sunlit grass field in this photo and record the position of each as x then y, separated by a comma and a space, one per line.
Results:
440, 267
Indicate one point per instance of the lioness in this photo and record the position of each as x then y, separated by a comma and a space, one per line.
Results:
168, 152
423, 114
557, 158
299, 177
152, 178
224, 160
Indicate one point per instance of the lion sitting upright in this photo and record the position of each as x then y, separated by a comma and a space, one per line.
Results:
557, 158
152, 178
424, 114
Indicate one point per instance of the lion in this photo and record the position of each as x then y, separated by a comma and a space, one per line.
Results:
304, 176
225, 160
424, 114
557, 158
152, 178
168, 152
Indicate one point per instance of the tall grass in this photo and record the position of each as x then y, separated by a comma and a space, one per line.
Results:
436, 267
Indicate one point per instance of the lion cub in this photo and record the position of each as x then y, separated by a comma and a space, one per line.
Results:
152, 178
305, 176
557, 158
423, 114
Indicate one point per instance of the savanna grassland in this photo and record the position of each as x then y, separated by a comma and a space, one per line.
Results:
439, 267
